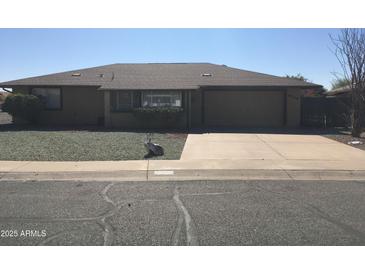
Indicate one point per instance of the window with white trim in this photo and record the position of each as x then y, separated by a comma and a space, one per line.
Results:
50, 96
161, 99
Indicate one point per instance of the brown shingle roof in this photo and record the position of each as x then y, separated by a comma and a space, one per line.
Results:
338, 91
159, 76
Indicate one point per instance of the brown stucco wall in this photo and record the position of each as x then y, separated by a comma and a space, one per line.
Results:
276, 108
244, 108
80, 106
293, 107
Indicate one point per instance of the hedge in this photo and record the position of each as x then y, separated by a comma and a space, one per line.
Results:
23, 106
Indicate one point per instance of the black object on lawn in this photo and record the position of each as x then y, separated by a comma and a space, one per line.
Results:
152, 149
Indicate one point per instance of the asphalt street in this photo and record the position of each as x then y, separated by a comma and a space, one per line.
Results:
183, 213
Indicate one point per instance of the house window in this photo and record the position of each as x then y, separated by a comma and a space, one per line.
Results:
161, 99
50, 96
123, 101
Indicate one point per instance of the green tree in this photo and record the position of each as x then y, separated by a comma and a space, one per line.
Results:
297, 77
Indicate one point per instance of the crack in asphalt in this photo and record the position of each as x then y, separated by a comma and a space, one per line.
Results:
108, 228
55, 236
321, 214
191, 235
360, 182
176, 234
104, 194
211, 193
108, 213
101, 220
246, 191
115, 204
345, 227
108, 231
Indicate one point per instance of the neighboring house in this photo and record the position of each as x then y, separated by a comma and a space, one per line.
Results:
210, 95
342, 91
331, 109
314, 92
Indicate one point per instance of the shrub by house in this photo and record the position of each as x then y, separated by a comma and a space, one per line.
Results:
23, 107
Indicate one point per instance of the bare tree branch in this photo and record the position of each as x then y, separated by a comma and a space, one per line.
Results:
349, 49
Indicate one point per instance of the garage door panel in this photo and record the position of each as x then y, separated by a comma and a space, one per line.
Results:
244, 108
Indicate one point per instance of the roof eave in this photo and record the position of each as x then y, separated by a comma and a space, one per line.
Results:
146, 89
261, 86
4, 85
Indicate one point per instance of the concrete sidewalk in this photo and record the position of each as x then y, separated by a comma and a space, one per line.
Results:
166, 170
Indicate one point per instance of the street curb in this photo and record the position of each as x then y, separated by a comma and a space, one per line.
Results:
187, 175
124, 175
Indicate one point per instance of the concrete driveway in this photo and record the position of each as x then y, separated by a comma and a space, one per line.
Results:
267, 147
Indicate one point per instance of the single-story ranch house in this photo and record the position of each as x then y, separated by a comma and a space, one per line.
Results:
206, 95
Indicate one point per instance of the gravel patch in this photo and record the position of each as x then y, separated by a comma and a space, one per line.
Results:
344, 136
5, 118
83, 145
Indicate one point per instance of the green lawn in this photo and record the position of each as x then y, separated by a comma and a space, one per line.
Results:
67, 145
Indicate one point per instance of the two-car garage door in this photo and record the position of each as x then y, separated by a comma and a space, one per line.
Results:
244, 108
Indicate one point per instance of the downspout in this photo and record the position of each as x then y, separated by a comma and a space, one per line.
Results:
107, 118
285, 122
203, 109
189, 110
